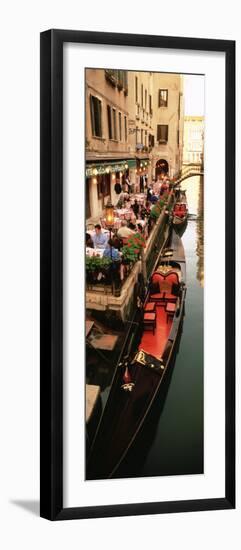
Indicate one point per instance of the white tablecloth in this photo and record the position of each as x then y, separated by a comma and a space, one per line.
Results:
94, 251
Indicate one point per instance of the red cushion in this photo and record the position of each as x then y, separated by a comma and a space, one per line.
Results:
150, 306
169, 296
158, 296
170, 307
157, 277
149, 316
172, 277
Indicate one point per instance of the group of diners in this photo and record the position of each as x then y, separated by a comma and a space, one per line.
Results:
131, 216
109, 243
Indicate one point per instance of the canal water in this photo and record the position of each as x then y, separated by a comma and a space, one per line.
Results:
175, 431
171, 442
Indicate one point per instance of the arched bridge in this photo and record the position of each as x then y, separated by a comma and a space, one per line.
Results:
189, 171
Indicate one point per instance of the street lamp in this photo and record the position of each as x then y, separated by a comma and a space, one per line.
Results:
109, 215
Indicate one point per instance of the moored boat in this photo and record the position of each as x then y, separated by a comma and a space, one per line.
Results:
140, 372
180, 210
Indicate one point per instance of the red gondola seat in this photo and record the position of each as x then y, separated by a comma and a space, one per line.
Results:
170, 310
150, 307
150, 321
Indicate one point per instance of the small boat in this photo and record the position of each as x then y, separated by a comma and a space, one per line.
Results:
140, 371
180, 209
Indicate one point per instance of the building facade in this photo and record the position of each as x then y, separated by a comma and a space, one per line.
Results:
193, 139
134, 130
107, 146
168, 124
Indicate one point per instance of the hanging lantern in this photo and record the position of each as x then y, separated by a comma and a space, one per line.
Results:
109, 215
126, 166
95, 171
113, 177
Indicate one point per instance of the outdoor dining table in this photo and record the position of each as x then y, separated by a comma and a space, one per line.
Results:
94, 251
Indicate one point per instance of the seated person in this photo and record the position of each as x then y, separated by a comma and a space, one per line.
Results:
117, 241
153, 199
88, 241
135, 208
100, 238
139, 228
111, 252
124, 232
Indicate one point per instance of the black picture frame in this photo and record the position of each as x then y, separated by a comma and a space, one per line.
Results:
51, 323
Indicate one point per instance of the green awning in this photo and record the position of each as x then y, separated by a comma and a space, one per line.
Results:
109, 167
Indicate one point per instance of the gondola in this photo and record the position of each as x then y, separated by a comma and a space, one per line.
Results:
180, 210
140, 373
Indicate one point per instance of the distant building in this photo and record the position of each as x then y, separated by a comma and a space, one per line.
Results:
168, 123
193, 139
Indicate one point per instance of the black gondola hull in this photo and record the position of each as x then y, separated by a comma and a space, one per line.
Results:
127, 409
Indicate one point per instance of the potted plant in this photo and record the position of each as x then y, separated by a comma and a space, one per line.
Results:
132, 249
95, 265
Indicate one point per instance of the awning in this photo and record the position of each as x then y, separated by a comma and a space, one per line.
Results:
100, 168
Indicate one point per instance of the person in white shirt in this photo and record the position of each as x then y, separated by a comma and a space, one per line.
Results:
99, 239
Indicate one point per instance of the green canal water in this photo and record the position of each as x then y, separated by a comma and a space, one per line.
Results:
177, 447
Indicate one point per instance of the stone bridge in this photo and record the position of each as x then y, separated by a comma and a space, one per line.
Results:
189, 171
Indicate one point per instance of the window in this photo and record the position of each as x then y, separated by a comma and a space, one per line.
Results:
117, 78
111, 117
120, 127
95, 111
125, 122
142, 136
142, 91
150, 105
151, 140
162, 133
109, 122
145, 99
136, 88
114, 124
163, 98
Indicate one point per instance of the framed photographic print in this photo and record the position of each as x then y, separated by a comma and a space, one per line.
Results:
137, 274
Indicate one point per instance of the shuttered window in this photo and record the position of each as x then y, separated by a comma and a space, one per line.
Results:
136, 88
125, 119
162, 133
114, 124
120, 127
96, 112
109, 118
163, 98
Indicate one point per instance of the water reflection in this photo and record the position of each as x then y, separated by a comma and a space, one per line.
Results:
195, 195
200, 233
